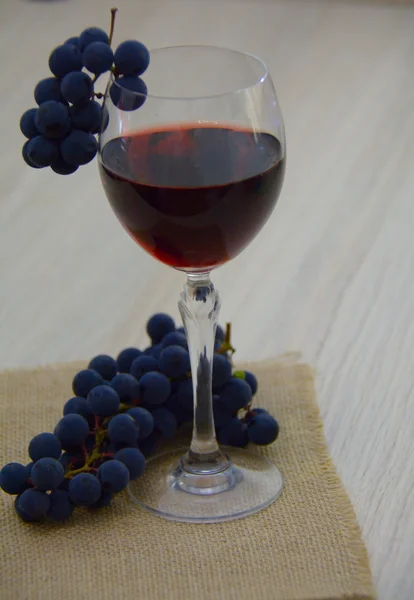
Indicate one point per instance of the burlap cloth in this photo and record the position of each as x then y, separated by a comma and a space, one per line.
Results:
305, 546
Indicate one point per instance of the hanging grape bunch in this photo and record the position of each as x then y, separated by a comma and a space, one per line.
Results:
121, 410
61, 131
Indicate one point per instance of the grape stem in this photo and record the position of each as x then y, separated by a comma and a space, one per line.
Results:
100, 431
112, 27
228, 333
91, 458
226, 344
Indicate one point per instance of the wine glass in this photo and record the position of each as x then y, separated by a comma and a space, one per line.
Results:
193, 174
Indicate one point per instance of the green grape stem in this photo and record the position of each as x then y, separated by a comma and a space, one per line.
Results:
97, 454
226, 345
92, 457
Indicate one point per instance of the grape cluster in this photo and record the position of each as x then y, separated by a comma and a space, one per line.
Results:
120, 411
61, 131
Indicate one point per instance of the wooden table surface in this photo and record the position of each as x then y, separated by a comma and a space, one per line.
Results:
331, 274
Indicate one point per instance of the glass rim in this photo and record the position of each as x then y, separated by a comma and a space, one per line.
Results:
241, 53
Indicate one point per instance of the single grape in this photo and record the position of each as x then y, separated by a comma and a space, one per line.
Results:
104, 500
85, 381
77, 87
84, 489
122, 429
86, 117
98, 57
131, 58
90, 35
13, 478
45, 445
158, 326
77, 405
47, 474
144, 420
42, 152
128, 93
63, 168
165, 422
252, 381
234, 434
26, 157
104, 365
48, 89
134, 461
182, 415
143, 364
72, 430
154, 388
126, 386
174, 362
253, 412
27, 123
125, 358
78, 148
61, 508
236, 394
249, 378
64, 59
175, 338
222, 414
52, 119
103, 401
29, 467
20, 513
220, 335
185, 396
148, 445
183, 412
113, 475
221, 370
263, 429
32, 505
154, 351
73, 40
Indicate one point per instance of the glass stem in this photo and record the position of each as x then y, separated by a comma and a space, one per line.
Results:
199, 307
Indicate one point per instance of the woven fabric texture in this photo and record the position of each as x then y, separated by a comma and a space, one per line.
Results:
306, 546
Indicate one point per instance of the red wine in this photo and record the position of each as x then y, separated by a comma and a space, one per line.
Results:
193, 196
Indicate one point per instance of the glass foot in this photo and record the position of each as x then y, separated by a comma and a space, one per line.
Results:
247, 484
